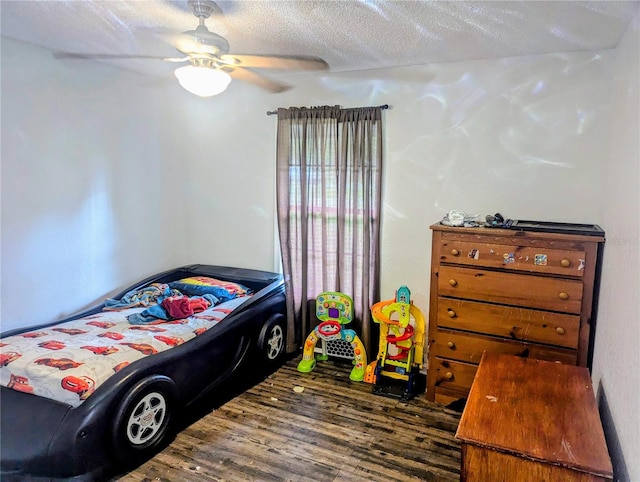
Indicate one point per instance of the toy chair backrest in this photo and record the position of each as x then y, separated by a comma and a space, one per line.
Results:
334, 306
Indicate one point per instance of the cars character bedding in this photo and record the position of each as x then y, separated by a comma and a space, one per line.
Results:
82, 395
67, 362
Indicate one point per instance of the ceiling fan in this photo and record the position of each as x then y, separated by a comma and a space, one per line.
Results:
211, 65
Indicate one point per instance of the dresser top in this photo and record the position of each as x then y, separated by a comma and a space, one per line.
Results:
538, 410
520, 233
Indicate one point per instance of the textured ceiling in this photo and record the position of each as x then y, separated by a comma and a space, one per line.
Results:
350, 34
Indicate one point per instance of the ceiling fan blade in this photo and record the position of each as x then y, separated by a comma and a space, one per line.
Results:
73, 55
257, 79
296, 62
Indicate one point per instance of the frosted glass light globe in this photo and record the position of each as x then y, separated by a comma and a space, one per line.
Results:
202, 81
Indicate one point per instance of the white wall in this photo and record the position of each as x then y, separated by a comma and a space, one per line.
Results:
84, 178
228, 150
616, 372
108, 176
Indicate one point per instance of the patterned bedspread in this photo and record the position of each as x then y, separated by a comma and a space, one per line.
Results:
67, 362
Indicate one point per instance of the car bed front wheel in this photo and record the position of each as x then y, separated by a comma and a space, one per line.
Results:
147, 419
144, 418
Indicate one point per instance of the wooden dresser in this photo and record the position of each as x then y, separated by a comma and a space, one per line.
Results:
510, 291
532, 420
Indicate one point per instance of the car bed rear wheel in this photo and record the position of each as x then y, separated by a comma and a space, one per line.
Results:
272, 338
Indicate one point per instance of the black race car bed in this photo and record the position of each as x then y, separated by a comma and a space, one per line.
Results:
102, 388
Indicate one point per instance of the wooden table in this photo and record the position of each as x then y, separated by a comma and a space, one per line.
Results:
530, 420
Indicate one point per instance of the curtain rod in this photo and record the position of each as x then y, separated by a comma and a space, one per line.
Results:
273, 112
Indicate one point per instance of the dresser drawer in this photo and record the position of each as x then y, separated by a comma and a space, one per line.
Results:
509, 322
514, 258
454, 375
446, 396
511, 288
468, 348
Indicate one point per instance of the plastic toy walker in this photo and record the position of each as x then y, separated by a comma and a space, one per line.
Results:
334, 310
400, 352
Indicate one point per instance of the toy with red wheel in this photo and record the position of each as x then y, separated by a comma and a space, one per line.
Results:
400, 352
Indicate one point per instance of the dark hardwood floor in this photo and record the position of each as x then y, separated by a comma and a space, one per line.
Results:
334, 430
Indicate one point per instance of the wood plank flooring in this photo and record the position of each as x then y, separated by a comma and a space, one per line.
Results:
334, 430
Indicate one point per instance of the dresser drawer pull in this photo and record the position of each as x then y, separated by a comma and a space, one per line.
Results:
451, 345
560, 330
453, 282
565, 262
451, 313
448, 376
455, 252
563, 296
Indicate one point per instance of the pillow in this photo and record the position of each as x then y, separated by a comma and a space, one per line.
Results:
203, 285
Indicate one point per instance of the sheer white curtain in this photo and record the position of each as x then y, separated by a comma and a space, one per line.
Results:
329, 173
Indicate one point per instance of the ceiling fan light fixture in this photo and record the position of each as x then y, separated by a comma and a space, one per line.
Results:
202, 81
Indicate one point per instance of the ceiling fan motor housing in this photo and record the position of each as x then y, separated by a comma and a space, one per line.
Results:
202, 41
203, 8
209, 39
